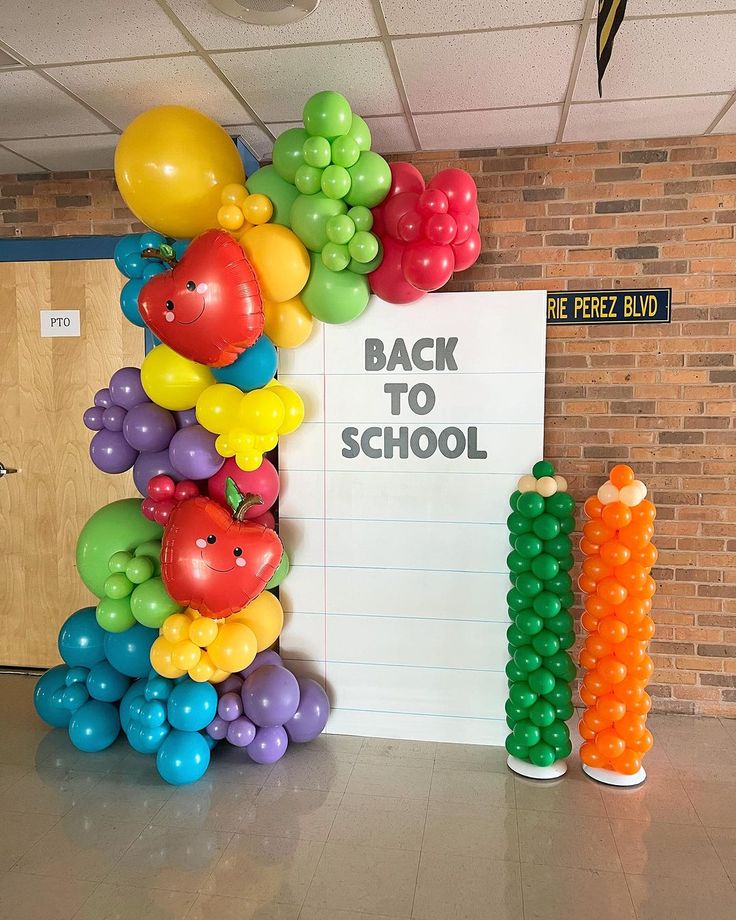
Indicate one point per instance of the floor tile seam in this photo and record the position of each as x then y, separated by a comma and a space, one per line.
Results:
78, 912
421, 844
32, 845
147, 823
707, 830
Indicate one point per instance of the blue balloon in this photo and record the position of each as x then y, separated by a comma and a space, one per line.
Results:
129, 651
183, 757
154, 267
132, 695
126, 246
82, 639
134, 264
129, 301
151, 240
49, 710
180, 247
76, 676
74, 696
94, 726
252, 369
192, 706
107, 684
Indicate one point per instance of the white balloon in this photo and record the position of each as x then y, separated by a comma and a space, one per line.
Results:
561, 483
527, 484
546, 486
608, 493
642, 488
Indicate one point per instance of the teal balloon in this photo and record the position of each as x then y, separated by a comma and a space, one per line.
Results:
49, 684
129, 301
316, 152
81, 641
183, 758
308, 179
327, 114
129, 651
360, 133
370, 180
334, 297
252, 369
282, 194
363, 247
192, 705
530, 504
106, 683
335, 181
309, 217
282, 570
287, 154
94, 726
546, 526
151, 603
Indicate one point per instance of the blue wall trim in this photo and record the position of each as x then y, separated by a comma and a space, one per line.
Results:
57, 248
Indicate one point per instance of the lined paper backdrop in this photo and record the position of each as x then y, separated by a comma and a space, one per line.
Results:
396, 595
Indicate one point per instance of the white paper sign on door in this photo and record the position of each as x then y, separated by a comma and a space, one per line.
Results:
60, 323
394, 496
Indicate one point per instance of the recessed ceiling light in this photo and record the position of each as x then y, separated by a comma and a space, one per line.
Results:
267, 12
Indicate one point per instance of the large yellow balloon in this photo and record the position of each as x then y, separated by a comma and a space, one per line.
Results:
293, 408
265, 616
279, 258
217, 407
234, 647
288, 324
171, 164
172, 381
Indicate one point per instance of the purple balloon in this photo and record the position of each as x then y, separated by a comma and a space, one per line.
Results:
150, 464
193, 454
269, 744
270, 696
111, 453
231, 684
92, 418
217, 728
185, 418
267, 657
126, 388
103, 398
241, 732
149, 427
230, 707
114, 418
311, 714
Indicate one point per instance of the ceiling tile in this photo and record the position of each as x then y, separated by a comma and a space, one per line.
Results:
257, 139
331, 21
391, 134
278, 83
727, 125
638, 118
10, 164
61, 154
31, 107
486, 70
402, 16
664, 57
678, 7
49, 31
497, 128
123, 89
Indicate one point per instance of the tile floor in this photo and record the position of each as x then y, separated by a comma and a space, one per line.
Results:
361, 829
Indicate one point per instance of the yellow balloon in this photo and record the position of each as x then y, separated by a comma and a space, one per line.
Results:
248, 461
161, 660
172, 381
234, 194
279, 258
234, 648
262, 411
203, 631
223, 446
257, 209
185, 655
219, 676
176, 627
230, 217
217, 407
203, 670
288, 324
265, 616
171, 165
293, 408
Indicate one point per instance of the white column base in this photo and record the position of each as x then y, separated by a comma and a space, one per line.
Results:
524, 768
611, 778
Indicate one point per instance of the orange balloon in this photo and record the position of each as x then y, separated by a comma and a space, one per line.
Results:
630, 651
643, 669
628, 763
631, 726
644, 511
598, 646
643, 743
632, 611
595, 568
622, 475
632, 576
595, 684
597, 532
596, 607
596, 721
616, 515
593, 507
613, 630
587, 584
611, 670
590, 755
611, 591
636, 535
646, 556
611, 708
587, 660
649, 589
586, 696
587, 548
588, 622
629, 691
614, 553
644, 629
609, 744
587, 734
641, 704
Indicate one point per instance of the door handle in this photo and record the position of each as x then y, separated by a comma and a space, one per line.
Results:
4, 470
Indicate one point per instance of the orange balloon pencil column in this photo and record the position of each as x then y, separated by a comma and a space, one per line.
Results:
619, 587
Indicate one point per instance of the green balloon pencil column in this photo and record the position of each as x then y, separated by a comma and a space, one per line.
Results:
540, 669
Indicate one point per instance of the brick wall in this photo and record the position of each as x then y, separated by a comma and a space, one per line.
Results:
660, 397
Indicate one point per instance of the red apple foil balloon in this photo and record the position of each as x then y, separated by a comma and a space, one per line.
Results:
208, 308
214, 560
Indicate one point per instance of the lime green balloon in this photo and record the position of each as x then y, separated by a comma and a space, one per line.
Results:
335, 256
116, 527
370, 180
345, 151
282, 195
334, 297
363, 247
152, 549
364, 268
340, 229
327, 114
308, 179
287, 154
317, 152
282, 570
119, 561
360, 133
114, 614
140, 569
309, 216
335, 181
118, 585
361, 217
151, 604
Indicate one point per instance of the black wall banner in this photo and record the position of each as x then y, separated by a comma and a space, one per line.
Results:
580, 307
610, 17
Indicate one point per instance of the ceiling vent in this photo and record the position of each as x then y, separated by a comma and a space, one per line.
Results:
267, 12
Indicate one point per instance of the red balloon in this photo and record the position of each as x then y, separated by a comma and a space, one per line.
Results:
466, 254
395, 208
161, 487
388, 281
441, 228
433, 201
405, 177
459, 188
208, 308
263, 481
410, 227
427, 266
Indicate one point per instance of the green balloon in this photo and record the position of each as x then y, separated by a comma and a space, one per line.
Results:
287, 154
282, 570
559, 694
308, 179
370, 180
309, 216
365, 268
567, 524
335, 256
327, 114
561, 665
559, 547
542, 468
513, 499
335, 182
360, 133
118, 585
542, 755
528, 585
542, 713
545, 567
516, 601
119, 561
566, 563
152, 549
565, 712
517, 523
545, 643
334, 297
140, 569
567, 641
547, 604
560, 584
116, 527
345, 151
542, 682
517, 563
530, 504
522, 695
546, 526
556, 734
361, 217
151, 604
526, 659
114, 614
527, 545
561, 624
363, 246
515, 713
513, 673
515, 749
340, 229
529, 623
282, 194
567, 600
563, 750
317, 152
561, 504
515, 637
526, 733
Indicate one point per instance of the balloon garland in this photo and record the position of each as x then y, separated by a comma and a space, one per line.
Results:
617, 581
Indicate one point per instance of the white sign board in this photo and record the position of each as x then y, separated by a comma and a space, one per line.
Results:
394, 497
60, 323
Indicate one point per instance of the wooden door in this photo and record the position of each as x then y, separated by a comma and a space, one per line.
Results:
45, 386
